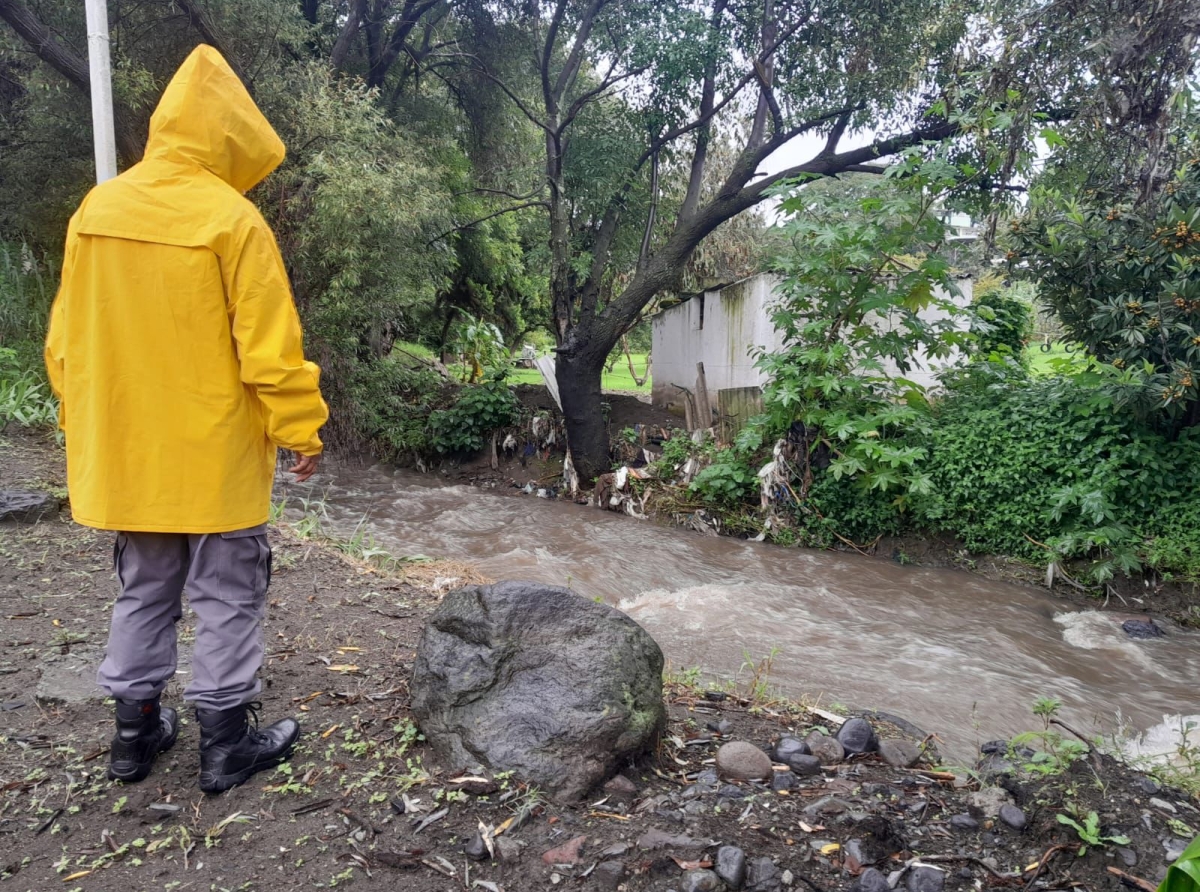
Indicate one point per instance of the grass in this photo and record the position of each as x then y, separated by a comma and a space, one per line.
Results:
618, 379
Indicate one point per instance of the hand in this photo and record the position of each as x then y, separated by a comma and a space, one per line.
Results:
305, 467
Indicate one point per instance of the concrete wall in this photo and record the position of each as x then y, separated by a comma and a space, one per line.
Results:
723, 328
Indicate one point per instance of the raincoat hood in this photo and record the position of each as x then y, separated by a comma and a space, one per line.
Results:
206, 118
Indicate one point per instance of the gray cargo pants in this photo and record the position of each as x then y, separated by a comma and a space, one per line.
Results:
226, 577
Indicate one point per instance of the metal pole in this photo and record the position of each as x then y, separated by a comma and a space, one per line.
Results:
100, 67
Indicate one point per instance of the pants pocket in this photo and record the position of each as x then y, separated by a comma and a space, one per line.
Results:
245, 565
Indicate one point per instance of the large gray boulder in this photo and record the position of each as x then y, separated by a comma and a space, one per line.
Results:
537, 680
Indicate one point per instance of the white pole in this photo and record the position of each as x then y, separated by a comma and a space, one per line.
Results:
100, 67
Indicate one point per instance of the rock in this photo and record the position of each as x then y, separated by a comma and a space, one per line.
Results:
1142, 628
1013, 817
871, 880
476, 850
19, 506
857, 736
783, 780
537, 680
72, 678
708, 776
964, 823
1146, 785
880, 841
988, 800
763, 876
621, 789
738, 760
1174, 847
732, 791
567, 854
786, 747
730, 866
1163, 805
508, 850
616, 850
1128, 856
900, 753
827, 805
805, 766
925, 879
700, 881
828, 750
722, 727
991, 767
608, 875
660, 839
994, 747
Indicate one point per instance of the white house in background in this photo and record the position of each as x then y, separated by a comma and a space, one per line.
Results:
722, 327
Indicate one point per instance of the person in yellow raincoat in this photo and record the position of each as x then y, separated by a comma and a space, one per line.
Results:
175, 351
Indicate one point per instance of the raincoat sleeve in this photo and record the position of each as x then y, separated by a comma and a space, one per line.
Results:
270, 350
55, 351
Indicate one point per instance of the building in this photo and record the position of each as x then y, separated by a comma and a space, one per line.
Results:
722, 328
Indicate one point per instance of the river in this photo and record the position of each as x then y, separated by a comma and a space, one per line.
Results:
952, 652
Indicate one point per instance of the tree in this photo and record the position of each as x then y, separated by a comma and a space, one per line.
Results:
629, 94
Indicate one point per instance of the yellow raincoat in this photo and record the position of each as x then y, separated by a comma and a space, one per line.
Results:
174, 345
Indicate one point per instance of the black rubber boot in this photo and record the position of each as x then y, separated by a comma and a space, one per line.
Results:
144, 729
231, 751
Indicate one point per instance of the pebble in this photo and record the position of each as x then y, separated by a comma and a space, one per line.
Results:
857, 736
827, 805
701, 881
508, 850
732, 791
1146, 785
871, 880
988, 800
783, 780
763, 876
1128, 856
1174, 848
568, 853
805, 766
660, 839
621, 788
900, 753
786, 747
925, 879
1013, 817
994, 747
708, 776
731, 866
476, 850
722, 727
1163, 804
738, 760
965, 823
609, 874
828, 750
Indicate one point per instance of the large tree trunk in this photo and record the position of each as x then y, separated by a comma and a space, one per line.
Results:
587, 432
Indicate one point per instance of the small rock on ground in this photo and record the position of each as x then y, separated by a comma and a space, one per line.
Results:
476, 850
701, 881
900, 753
871, 880
567, 853
20, 506
609, 874
925, 879
1013, 817
621, 788
764, 876
738, 760
857, 736
805, 766
965, 823
828, 750
786, 747
731, 866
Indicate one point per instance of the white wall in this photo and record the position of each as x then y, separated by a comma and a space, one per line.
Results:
722, 328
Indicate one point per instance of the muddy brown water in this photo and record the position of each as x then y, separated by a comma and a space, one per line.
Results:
954, 653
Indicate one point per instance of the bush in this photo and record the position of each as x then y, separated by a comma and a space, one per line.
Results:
481, 409
393, 401
1004, 321
1019, 465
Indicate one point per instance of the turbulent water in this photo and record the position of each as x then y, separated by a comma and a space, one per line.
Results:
951, 652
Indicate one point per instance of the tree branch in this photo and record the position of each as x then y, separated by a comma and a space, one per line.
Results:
566, 77
473, 223
198, 19
70, 65
547, 53
341, 47
707, 97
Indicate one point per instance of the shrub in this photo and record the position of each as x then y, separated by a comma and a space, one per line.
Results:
480, 410
1004, 322
393, 402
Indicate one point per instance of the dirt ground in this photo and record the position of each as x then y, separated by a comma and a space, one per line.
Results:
364, 805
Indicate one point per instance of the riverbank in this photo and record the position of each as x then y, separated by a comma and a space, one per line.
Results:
635, 425
364, 803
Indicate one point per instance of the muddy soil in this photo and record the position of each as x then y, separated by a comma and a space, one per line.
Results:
363, 804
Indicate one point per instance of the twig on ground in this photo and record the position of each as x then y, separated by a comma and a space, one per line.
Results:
1130, 880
